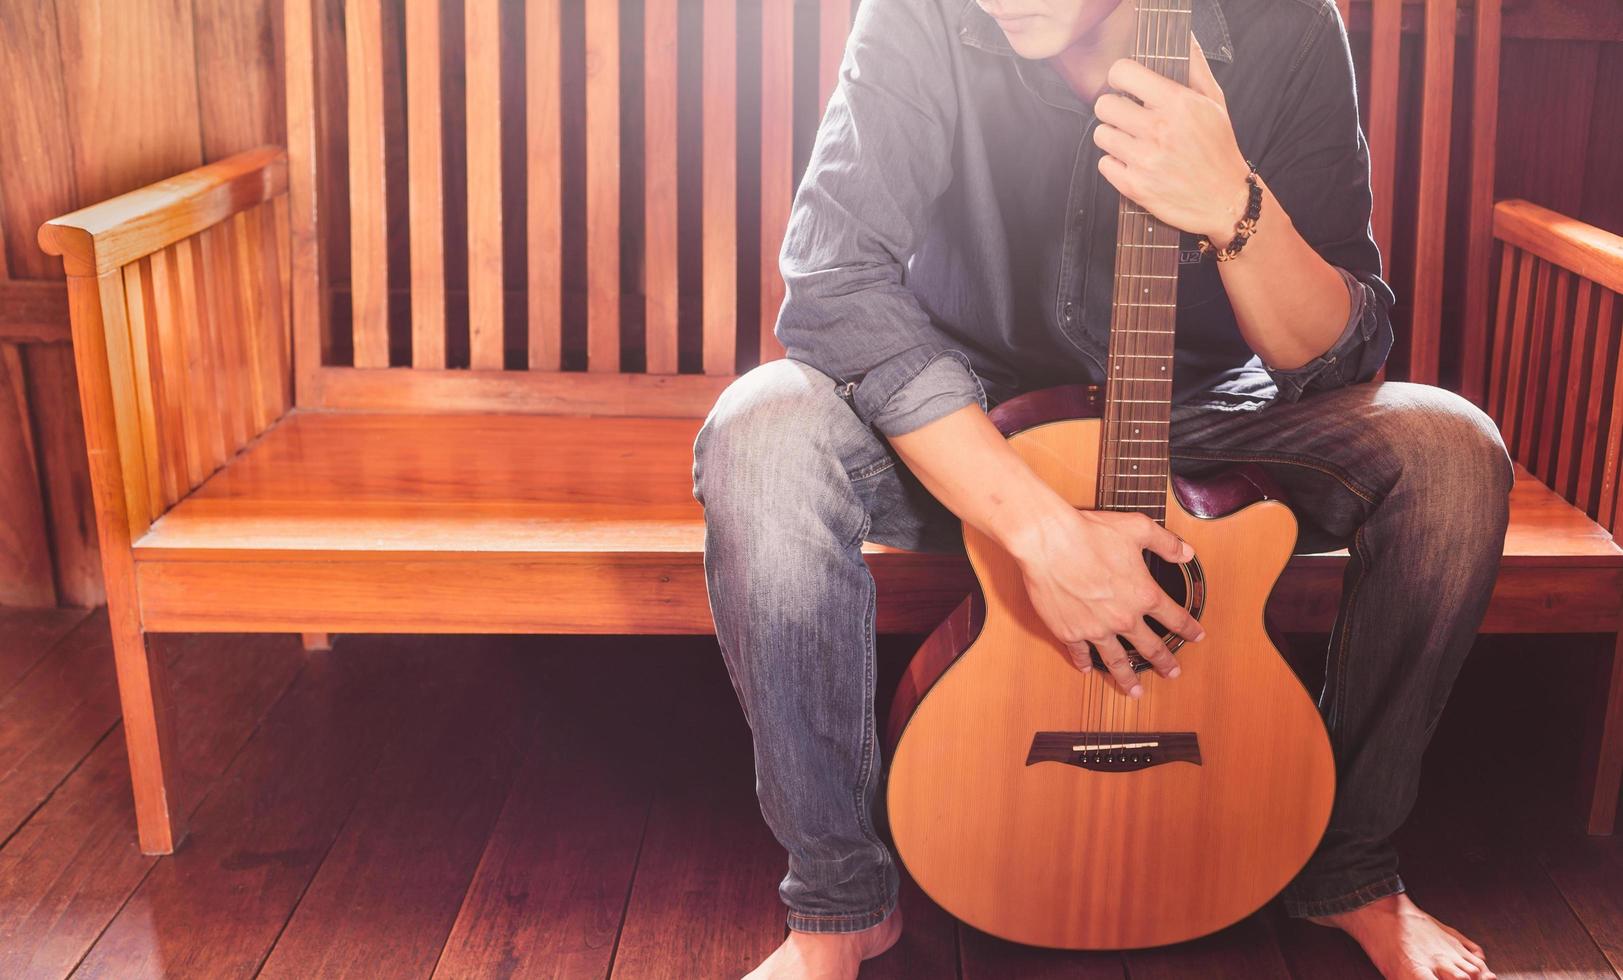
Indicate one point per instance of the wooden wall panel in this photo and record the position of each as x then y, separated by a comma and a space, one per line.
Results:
239, 79
25, 554
130, 73
36, 155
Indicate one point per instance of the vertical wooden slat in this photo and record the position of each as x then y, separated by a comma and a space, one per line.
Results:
426, 199
1605, 343
162, 486
280, 214
720, 86
659, 147
307, 278
1386, 41
777, 157
1501, 333
257, 381
183, 452
833, 25
486, 308
603, 186
1550, 380
201, 354
544, 173
1345, 8
1583, 336
368, 200
1526, 383
1479, 199
1436, 115
219, 298
272, 260
1612, 459
1520, 324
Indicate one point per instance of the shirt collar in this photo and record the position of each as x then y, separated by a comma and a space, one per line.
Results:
1211, 29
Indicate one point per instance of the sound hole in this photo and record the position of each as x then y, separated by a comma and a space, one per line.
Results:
1186, 584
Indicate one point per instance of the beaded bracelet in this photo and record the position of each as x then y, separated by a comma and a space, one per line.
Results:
1245, 227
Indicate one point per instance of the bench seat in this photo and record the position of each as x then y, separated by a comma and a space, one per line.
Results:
448, 522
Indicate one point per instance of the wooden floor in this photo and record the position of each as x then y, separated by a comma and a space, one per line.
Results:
544, 807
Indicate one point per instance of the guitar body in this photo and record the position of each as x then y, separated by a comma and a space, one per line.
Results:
1039, 804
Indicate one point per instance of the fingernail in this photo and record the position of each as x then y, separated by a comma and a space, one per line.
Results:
1136, 692
1200, 636
1174, 672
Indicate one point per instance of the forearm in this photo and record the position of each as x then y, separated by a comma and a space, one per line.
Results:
1290, 303
967, 464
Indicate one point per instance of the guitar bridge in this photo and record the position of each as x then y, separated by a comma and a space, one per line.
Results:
1114, 751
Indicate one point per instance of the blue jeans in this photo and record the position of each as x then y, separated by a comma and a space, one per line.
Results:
1412, 479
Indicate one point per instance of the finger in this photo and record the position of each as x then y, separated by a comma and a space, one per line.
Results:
1201, 78
1151, 648
1175, 617
1158, 539
1124, 114
1121, 668
1115, 171
1117, 143
1144, 84
1478, 962
1081, 656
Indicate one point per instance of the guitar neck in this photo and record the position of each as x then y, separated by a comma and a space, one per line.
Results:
1133, 462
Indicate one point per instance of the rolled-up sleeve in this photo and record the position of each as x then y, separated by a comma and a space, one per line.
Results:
881, 161
1317, 166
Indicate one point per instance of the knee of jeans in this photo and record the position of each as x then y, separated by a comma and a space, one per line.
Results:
1457, 450
766, 441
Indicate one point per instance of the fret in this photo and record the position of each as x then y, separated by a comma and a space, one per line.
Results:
1124, 377
1144, 275
1128, 490
1142, 458
1131, 245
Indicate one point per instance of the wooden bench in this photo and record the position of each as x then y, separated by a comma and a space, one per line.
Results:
322, 399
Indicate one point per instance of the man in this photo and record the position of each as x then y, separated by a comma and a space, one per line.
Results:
951, 245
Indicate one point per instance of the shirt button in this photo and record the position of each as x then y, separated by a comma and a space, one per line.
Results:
1068, 309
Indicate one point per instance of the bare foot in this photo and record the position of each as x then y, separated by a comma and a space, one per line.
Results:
828, 955
1405, 943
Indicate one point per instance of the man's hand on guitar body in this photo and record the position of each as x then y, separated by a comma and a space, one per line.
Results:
1084, 570
1086, 576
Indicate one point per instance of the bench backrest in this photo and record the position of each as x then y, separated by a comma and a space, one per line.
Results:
521, 172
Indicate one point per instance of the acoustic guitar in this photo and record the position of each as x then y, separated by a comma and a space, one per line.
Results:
1037, 802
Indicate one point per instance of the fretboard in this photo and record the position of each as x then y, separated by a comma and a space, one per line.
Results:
1133, 463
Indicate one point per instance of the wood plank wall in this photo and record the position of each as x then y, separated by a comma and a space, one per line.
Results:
100, 96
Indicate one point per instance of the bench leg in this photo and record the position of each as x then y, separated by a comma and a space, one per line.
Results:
1602, 775
143, 692
316, 641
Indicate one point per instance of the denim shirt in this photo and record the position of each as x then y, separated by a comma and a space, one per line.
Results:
952, 240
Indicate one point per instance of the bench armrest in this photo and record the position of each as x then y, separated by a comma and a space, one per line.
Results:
102, 237
1556, 350
178, 300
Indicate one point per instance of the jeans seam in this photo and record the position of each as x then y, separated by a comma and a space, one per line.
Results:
1333, 709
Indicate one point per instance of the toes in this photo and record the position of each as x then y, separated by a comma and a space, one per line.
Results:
1464, 940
